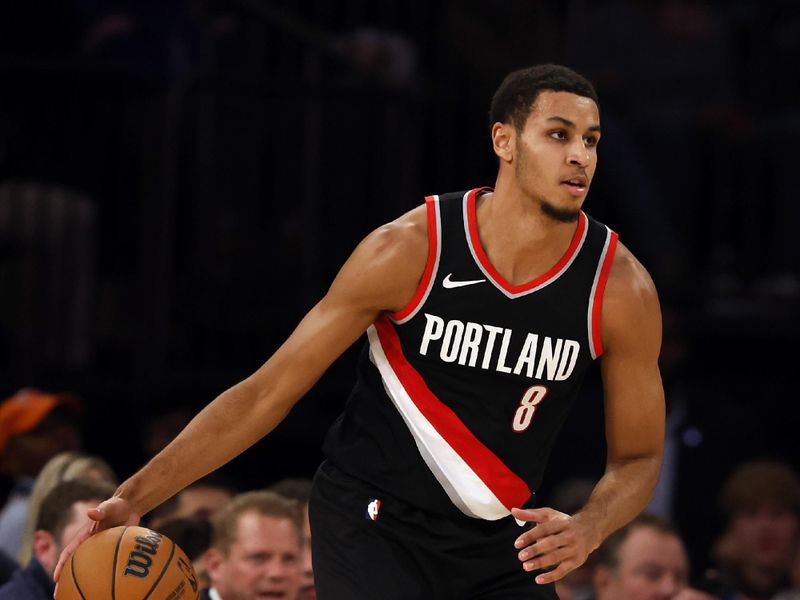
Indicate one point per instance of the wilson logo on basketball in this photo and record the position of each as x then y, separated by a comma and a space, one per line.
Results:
188, 571
141, 557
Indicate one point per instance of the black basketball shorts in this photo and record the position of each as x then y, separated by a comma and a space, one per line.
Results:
369, 546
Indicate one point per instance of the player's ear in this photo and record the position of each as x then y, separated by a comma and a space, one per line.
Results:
503, 135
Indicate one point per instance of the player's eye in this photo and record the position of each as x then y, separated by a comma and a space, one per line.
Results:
559, 134
591, 140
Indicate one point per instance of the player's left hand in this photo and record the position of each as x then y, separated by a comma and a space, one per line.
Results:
558, 541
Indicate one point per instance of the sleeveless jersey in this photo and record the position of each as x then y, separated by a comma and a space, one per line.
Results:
461, 394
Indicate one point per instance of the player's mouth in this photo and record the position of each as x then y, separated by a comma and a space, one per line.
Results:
576, 186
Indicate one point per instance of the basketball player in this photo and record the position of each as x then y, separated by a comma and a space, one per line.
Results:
483, 309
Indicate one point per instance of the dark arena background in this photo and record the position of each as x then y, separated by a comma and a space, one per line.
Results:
180, 181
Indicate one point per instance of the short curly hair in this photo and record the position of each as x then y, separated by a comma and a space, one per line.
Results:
517, 94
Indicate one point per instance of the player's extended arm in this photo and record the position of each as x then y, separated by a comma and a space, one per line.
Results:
381, 275
634, 409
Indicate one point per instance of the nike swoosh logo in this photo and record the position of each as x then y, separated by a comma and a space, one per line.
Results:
450, 284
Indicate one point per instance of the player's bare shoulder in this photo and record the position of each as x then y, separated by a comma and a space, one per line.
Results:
404, 238
630, 302
386, 267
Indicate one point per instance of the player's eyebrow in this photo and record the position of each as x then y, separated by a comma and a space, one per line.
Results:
568, 123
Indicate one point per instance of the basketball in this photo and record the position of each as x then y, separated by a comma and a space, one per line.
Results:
128, 563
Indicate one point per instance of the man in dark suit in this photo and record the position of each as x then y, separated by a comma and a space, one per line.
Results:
60, 517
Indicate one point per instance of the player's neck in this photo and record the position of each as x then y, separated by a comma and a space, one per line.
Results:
520, 240
521, 218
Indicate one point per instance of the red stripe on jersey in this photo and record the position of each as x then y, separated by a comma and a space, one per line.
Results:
508, 487
433, 243
597, 301
472, 222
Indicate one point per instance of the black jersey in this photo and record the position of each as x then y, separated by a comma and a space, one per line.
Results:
461, 394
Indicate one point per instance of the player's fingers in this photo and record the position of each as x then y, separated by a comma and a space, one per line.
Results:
540, 532
111, 513
535, 515
542, 547
556, 574
546, 560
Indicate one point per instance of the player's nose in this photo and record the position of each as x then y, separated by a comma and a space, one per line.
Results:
578, 154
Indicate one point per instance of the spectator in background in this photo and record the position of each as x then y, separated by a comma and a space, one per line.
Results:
202, 499
62, 514
62, 467
644, 560
299, 490
256, 548
761, 500
193, 535
160, 429
7, 567
34, 427
794, 576
569, 497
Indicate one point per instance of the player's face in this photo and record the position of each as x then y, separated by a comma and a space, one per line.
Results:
652, 566
263, 562
556, 152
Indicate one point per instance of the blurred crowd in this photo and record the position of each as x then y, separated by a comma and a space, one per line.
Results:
245, 544
180, 180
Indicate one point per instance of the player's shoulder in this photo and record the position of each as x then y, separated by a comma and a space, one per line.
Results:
406, 236
384, 270
631, 315
628, 278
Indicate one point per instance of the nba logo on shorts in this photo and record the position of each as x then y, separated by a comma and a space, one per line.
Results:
372, 509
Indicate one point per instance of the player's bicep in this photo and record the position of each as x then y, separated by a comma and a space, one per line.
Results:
634, 396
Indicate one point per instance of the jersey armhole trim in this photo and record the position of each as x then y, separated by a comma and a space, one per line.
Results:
431, 266
598, 288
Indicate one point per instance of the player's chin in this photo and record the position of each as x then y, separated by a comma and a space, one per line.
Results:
563, 212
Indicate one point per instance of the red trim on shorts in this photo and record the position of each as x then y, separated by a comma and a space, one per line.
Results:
597, 301
506, 485
433, 243
472, 222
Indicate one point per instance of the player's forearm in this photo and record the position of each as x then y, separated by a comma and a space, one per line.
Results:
234, 421
620, 495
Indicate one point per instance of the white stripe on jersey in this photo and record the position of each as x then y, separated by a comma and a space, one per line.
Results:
465, 489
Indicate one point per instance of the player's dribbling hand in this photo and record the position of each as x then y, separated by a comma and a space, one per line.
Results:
110, 513
559, 542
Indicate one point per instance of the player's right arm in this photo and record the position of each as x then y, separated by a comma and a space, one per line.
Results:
381, 275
